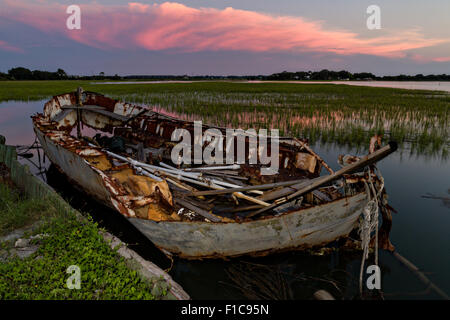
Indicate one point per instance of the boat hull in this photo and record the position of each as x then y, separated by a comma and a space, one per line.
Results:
300, 229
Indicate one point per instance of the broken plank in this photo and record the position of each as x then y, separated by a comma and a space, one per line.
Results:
198, 210
84, 107
99, 110
58, 117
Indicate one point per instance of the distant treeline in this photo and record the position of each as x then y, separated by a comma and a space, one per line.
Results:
21, 73
345, 75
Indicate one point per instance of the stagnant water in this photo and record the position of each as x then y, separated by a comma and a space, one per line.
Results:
420, 232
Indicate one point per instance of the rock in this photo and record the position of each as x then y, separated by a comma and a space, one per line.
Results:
16, 234
21, 243
12, 236
39, 236
23, 253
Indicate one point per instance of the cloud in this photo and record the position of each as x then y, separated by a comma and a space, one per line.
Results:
7, 47
177, 27
441, 59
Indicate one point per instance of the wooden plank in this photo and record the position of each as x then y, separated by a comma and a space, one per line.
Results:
275, 194
321, 196
61, 115
199, 211
249, 188
110, 114
99, 110
84, 107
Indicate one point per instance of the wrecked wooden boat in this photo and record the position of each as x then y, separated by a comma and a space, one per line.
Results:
120, 154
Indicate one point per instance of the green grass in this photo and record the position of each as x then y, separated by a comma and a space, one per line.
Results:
327, 113
70, 241
16, 212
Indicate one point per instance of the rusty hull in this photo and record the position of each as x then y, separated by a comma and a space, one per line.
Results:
300, 229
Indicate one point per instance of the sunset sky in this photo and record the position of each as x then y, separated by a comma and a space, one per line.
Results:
224, 37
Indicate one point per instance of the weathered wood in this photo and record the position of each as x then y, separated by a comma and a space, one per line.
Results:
249, 188
251, 199
321, 196
198, 210
97, 109
58, 117
363, 162
306, 147
275, 194
83, 107
135, 116
110, 114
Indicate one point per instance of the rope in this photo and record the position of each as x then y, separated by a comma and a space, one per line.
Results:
369, 221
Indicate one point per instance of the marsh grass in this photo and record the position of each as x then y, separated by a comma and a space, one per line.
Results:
339, 114
326, 113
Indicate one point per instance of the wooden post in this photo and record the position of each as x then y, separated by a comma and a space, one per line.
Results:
79, 103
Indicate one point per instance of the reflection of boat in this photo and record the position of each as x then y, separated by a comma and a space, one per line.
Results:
201, 211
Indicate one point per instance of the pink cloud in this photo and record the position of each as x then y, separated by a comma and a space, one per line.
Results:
7, 47
442, 59
178, 27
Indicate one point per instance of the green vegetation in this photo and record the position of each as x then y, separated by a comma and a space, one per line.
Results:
35, 90
17, 213
328, 113
70, 241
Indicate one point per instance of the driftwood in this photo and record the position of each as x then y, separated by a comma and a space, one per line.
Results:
422, 277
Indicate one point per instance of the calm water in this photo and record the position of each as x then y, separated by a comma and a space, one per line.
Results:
420, 233
414, 85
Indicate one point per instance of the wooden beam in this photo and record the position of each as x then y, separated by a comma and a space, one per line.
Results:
84, 107
99, 110
198, 210
249, 188
61, 115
